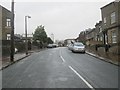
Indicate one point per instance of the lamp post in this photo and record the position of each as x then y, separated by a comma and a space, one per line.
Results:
26, 41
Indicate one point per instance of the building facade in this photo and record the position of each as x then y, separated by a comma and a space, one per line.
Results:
98, 33
68, 41
5, 23
90, 37
111, 26
81, 37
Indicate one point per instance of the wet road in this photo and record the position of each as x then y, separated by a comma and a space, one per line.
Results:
60, 68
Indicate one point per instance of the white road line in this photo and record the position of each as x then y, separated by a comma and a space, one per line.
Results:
62, 58
88, 84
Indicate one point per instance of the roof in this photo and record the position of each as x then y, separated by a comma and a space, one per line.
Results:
5, 8
107, 5
92, 30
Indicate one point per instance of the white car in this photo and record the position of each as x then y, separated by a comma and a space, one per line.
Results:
50, 46
78, 47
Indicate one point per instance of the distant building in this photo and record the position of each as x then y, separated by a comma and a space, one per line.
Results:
111, 25
68, 41
81, 37
18, 37
29, 37
90, 37
99, 33
5, 23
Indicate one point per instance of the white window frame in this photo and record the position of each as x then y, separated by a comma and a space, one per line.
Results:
8, 22
114, 37
105, 21
113, 17
101, 38
8, 36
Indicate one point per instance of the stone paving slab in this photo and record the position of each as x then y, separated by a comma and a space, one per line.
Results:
5, 61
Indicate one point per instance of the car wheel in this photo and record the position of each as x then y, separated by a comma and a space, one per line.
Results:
72, 51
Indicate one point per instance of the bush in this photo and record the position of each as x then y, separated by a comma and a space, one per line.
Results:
20, 46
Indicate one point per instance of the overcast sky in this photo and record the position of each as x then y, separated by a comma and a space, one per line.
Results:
64, 18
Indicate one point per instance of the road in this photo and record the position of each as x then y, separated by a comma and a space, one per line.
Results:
60, 68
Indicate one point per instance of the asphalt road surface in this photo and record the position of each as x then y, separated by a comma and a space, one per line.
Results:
60, 68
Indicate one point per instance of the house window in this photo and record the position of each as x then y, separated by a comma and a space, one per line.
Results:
105, 20
112, 17
8, 37
8, 22
106, 39
114, 37
101, 38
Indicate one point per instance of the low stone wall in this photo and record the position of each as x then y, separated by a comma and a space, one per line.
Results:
114, 50
112, 53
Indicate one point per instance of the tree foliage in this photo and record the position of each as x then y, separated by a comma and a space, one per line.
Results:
49, 41
40, 34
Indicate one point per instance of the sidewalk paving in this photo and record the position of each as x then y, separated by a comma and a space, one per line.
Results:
5, 61
108, 57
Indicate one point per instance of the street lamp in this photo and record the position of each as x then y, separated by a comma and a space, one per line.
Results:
26, 41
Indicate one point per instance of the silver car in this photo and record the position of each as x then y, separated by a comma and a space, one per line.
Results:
78, 47
70, 46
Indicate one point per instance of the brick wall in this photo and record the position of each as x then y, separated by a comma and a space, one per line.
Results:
5, 30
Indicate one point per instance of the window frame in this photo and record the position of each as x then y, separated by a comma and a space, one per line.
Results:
112, 17
114, 37
8, 22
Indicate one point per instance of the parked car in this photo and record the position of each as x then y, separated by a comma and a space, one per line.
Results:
50, 46
54, 45
70, 46
78, 47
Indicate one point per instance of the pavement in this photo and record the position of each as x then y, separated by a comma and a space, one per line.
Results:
5, 61
107, 57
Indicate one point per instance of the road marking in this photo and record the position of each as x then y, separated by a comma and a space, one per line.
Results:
88, 84
62, 58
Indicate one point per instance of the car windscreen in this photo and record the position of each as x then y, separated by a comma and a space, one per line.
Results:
78, 44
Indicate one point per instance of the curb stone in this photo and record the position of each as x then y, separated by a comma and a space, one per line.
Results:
103, 59
14, 62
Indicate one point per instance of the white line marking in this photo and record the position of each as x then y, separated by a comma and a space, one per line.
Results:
62, 58
88, 84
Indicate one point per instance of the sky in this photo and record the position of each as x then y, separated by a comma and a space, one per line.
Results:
62, 18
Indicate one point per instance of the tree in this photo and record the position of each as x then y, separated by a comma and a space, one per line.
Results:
49, 41
40, 36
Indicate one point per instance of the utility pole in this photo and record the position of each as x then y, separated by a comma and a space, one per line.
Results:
26, 40
12, 33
